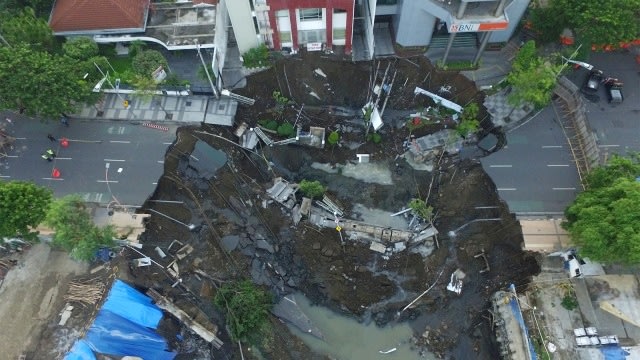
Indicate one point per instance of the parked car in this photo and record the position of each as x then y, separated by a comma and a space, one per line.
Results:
614, 90
592, 84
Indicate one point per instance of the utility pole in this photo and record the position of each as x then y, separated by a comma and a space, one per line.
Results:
4, 41
206, 70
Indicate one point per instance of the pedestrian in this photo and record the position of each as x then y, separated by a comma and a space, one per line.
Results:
64, 120
46, 157
51, 153
51, 137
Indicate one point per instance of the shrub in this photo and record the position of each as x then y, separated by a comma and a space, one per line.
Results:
256, 57
268, 124
333, 138
81, 48
246, 308
147, 61
312, 189
569, 301
375, 137
285, 129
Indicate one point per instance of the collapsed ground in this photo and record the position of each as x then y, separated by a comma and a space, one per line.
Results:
348, 278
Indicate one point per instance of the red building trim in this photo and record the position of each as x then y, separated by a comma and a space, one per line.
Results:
328, 5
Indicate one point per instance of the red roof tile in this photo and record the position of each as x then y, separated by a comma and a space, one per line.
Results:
88, 15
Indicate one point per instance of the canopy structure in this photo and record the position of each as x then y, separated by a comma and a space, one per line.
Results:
124, 326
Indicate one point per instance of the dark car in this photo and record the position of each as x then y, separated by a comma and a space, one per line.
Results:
592, 84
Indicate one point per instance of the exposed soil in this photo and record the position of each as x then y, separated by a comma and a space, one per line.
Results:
349, 278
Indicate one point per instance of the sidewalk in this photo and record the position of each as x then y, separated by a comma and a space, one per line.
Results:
175, 109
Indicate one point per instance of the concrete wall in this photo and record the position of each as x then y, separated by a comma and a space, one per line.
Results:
242, 22
220, 39
413, 26
514, 11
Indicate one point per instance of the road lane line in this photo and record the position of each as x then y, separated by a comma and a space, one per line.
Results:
551, 146
57, 179
500, 166
155, 183
506, 189
160, 161
21, 138
108, 181
120, 141
12, 156
59, 158
561, 189
605, 146
167, 143
557, 165
114, 160
5, 176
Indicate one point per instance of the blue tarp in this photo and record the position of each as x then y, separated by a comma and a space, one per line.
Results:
80, 351
131, 304
515, 307
613, 352
112, 334
124, 326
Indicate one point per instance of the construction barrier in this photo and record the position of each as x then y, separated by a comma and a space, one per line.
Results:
154, 126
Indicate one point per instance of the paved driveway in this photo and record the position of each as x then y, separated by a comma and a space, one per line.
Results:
135, 155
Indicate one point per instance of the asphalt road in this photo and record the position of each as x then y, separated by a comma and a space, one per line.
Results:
135, 155
535, 173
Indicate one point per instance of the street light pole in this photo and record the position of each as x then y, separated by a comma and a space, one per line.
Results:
191, 227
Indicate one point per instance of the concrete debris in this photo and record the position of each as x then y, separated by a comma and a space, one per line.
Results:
363, 158
320, 72
184, 251
230, 242
264, 245
315, 95
378, 247
145, 261
283, 192
160, 252
65, 314
314, 137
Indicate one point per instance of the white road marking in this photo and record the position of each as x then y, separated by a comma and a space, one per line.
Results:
5, 176
563, 189
120, 141
506, 189
605, 146
155, 183
113, 160
59, 158
57, 179
12, 156
160, 161
551, 146
167, 143
500, 166
107, 181
21, 138
557, 165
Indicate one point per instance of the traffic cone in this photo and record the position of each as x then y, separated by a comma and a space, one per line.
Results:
64, 142
55, 173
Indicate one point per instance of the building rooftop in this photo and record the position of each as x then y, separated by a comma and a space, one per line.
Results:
115, 16
184, 23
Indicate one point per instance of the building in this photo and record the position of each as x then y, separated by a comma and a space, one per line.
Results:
175, 25
369, 28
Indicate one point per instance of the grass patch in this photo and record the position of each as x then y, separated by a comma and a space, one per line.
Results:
569, 301
457, 65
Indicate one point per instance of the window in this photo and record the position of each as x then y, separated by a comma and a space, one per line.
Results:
310, 36
310, 14
282, 13
339, 34
339, 11
386, 2
285, 36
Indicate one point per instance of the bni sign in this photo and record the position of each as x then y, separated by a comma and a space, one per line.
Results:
492, 26
314, 46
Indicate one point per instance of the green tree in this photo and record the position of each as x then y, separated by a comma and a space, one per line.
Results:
74, 229
23, 206
41, 84
600, 22
312, 189
147, 61
604, 220
22, 27
469, 123
421, 209
532, 78
333, 138
80, 48
285, 129
246, 308
42, 8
